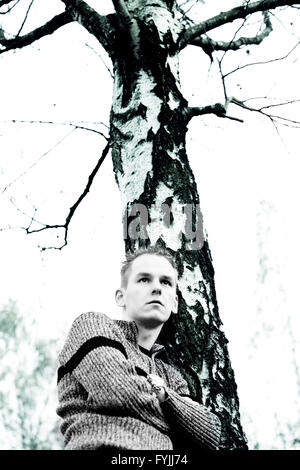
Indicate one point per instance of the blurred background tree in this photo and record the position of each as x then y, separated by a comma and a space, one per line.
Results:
27, 384
273, 339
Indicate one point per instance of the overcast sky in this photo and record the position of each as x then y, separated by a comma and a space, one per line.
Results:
247, 176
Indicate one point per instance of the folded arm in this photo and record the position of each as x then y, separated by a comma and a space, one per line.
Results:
185, 416
97, 358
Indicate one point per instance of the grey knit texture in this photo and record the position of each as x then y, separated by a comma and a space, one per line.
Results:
105, 399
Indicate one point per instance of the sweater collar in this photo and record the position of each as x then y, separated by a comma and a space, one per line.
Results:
130, 331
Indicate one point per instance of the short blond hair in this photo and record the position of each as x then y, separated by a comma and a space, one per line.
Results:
151, 250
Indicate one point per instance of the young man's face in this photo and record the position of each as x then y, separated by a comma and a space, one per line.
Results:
150, 294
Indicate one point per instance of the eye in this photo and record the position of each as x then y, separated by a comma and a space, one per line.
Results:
166, 282
143, 280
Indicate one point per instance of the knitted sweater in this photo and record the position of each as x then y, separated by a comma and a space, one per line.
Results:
106, 401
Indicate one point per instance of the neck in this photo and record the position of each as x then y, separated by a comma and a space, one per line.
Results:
147, 336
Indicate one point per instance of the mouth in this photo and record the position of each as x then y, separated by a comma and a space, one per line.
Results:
156, 302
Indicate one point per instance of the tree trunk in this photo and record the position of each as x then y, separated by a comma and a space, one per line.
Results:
161, 203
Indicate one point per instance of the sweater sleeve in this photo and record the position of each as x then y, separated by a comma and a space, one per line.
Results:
95, 355
189, 418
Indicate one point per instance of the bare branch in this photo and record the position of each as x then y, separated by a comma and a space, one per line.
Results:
262, 62
234, 36
218, 109
129, 26
5, 2
72, 210
283, 25
228, 17
96, 24
9, 8
75, 126
9, 227
184, 17
67, 123
36, 162
122, 12
279, 104
33, 219
106, 66
209, 44
25, 18
48, 28
223, 80
273, 117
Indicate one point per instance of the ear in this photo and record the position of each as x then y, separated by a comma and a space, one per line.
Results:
175, 305
119, 296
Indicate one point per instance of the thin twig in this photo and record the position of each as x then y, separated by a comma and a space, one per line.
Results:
273, 117
223, 81
25, 18
289, 31
67, 123
36, 162
262, 62
99, 55
72, 210
232, 40
33, 219
279, 104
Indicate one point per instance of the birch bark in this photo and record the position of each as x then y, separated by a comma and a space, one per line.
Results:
161, 202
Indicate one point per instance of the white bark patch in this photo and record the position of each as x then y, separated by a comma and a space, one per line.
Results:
156, 228
206, 316
136, 4
204, 375
232, 411
175, 152
163, 19
215, 372
205, 394
165, 23
136, 166
220, 352
189, 284
136, 151
173, 63
173, 102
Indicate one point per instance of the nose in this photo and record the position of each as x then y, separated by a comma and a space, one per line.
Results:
156, 287
156, 290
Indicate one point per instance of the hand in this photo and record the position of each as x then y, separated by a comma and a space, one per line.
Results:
158, 386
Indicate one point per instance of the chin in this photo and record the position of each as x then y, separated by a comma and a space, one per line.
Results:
150, 323
152, 320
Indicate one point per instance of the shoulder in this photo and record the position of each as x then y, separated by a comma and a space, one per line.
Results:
96, 318
90, 324
85, 328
